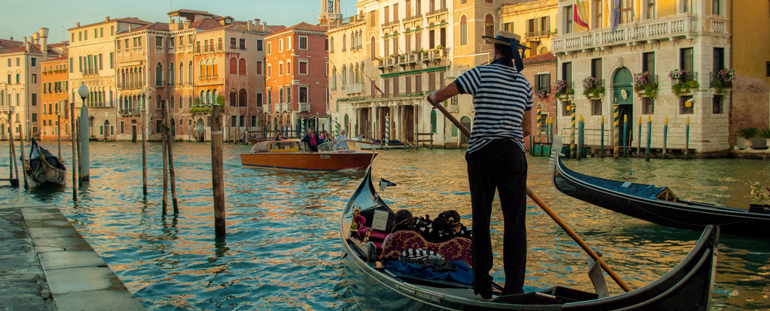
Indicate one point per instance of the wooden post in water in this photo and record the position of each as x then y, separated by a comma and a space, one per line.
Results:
15, 165
217, 180
163, 139
172, 174
77, 142
687, 140
639, 141
665, 136
580, 138
144, 152
572, 153
625, 136
74, 153
601, 144
58, 133
649, 137
616, 128
23, 169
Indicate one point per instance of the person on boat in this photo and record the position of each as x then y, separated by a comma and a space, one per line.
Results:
312, 140
279, 137
342, 140
502, 99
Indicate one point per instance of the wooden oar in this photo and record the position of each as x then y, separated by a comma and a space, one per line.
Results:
545, 208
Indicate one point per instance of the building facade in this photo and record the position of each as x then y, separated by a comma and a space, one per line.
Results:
297, 78
659, 61
55, 110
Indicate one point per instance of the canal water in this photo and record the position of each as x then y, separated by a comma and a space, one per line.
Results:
282, 251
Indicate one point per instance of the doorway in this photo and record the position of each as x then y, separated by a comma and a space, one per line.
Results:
623, 96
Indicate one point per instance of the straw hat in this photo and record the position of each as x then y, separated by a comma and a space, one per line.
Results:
503, 37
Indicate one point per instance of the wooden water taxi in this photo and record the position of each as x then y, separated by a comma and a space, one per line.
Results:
292, 154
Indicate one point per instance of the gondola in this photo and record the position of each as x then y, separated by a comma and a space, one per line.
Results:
376, 287
659, 205
43, 168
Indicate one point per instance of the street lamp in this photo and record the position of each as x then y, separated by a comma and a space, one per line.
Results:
83, 92
84, 150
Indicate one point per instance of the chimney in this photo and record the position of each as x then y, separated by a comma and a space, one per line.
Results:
43, 40
250, 25
77, 24
35, 38
264, 26
26, 44
107, 19
257, 21
130, 28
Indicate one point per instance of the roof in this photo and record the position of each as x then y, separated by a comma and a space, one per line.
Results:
7, 44
540, 58
130, 20
206, 23
60, 58
302, 26
33, 48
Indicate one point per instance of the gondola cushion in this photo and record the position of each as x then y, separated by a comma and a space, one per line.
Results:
455, 249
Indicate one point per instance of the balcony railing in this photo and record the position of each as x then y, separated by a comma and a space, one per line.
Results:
130, 112
683, 25
538, 33
354, 88
304, 107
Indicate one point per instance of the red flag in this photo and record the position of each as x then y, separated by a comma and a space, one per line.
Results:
576, 17
375, 86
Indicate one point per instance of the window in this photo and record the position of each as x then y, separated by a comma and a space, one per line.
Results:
508, 27
649, 9
269, 70
687, 6
280, 45
648, 105
568, 19
112, 60
288, 68
626, 11
463, 31
288, 43
302, 43
543, 82
232, 43
280, 69
288, 94
259, 105
303, 94
158, 42
101, 63
259, 45
159, 75
596, 69
686, 62
686, 104
242, 44
233, 121
259, 67
719, 59
386, 15
269, 48
33, 78
489, 26
566, 73
280, 95
303, 67
33, 61
242, 66
648, 63
170, 42
33, 99
717, 104
242, 98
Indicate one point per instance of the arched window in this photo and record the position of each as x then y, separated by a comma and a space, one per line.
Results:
171, 103
189, 73
202, 100
214, 70
189, 102
233, 97
159, 75
242, 67
181, 100
356, 74
233, 66
203, 68
463, 30
385, 47
489, 26
372, 54
408, 40
242, 98
181, 73
344, 40
334, 78
417, 38
214, 97
171, 74
208, 97
344, 76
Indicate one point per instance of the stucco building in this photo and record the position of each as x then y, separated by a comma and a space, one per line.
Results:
55, 110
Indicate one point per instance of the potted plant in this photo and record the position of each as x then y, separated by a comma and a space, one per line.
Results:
646, 85
679, 83
542, 94
592, 88
723, 80
748, 133
562, 91
765, 133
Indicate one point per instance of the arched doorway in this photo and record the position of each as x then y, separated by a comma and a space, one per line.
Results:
466, 121
173, 129
623, 96
106, 129
200, 130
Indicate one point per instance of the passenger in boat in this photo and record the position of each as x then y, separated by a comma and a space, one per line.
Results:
312, 140
447, 225
342, 144
278, 137
502, 99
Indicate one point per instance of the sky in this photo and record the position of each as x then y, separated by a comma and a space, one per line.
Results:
22, 18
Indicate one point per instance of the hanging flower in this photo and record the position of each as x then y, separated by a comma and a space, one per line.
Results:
542, 94
560, 87
646, 85
723, 79
592, 88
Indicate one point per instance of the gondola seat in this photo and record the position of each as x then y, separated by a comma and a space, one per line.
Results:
457, 248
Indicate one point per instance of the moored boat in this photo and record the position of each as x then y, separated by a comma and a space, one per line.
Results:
371, 144
659, 204
43, 168
377, 287
291, 154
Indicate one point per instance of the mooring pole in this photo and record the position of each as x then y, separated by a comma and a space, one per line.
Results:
625, 136
144, 152
572, 153
23, 169
77, 141
639, 140
217, 180
665, 136
601, 144
686, 142
649, 137
163, 140
58, 133
74, 153
15, 168
172, 174
580, 137
616, 128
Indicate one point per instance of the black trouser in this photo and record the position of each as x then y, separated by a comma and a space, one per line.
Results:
500, 165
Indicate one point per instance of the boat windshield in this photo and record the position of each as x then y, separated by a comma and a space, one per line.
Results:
338, 145
285, 146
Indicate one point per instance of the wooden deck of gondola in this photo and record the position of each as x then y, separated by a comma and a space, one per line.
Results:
47, 265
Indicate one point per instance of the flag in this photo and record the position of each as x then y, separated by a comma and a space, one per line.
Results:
615, 15
576, 17
384, 183
375, 86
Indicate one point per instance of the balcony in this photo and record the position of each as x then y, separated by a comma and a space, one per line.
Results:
127, 112
661, 29
354, 89
285, 107
304, 107
533, 34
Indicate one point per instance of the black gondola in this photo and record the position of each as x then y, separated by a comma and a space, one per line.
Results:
44, 168
375, 287
658, 204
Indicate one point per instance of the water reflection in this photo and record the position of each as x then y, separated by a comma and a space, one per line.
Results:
282, 250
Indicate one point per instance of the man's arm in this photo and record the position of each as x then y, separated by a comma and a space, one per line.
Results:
526, 125
444, 93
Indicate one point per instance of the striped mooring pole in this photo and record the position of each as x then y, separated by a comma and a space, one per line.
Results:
572, 153
387, 130
625, 136
649, 137
665, 136
538, 139
601, 144
616, 127
687, 140
581, 124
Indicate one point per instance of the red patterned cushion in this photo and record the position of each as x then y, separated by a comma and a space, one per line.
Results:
455, 249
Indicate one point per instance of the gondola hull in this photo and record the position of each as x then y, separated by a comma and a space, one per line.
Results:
43, 169
687, 287
641, 201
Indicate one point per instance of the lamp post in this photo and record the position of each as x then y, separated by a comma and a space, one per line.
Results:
84, 153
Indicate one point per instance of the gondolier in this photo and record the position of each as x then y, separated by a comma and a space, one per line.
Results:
502, 99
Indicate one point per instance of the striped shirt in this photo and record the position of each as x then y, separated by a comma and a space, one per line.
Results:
501, 95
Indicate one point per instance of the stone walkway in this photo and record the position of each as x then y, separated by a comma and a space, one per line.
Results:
46, 265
